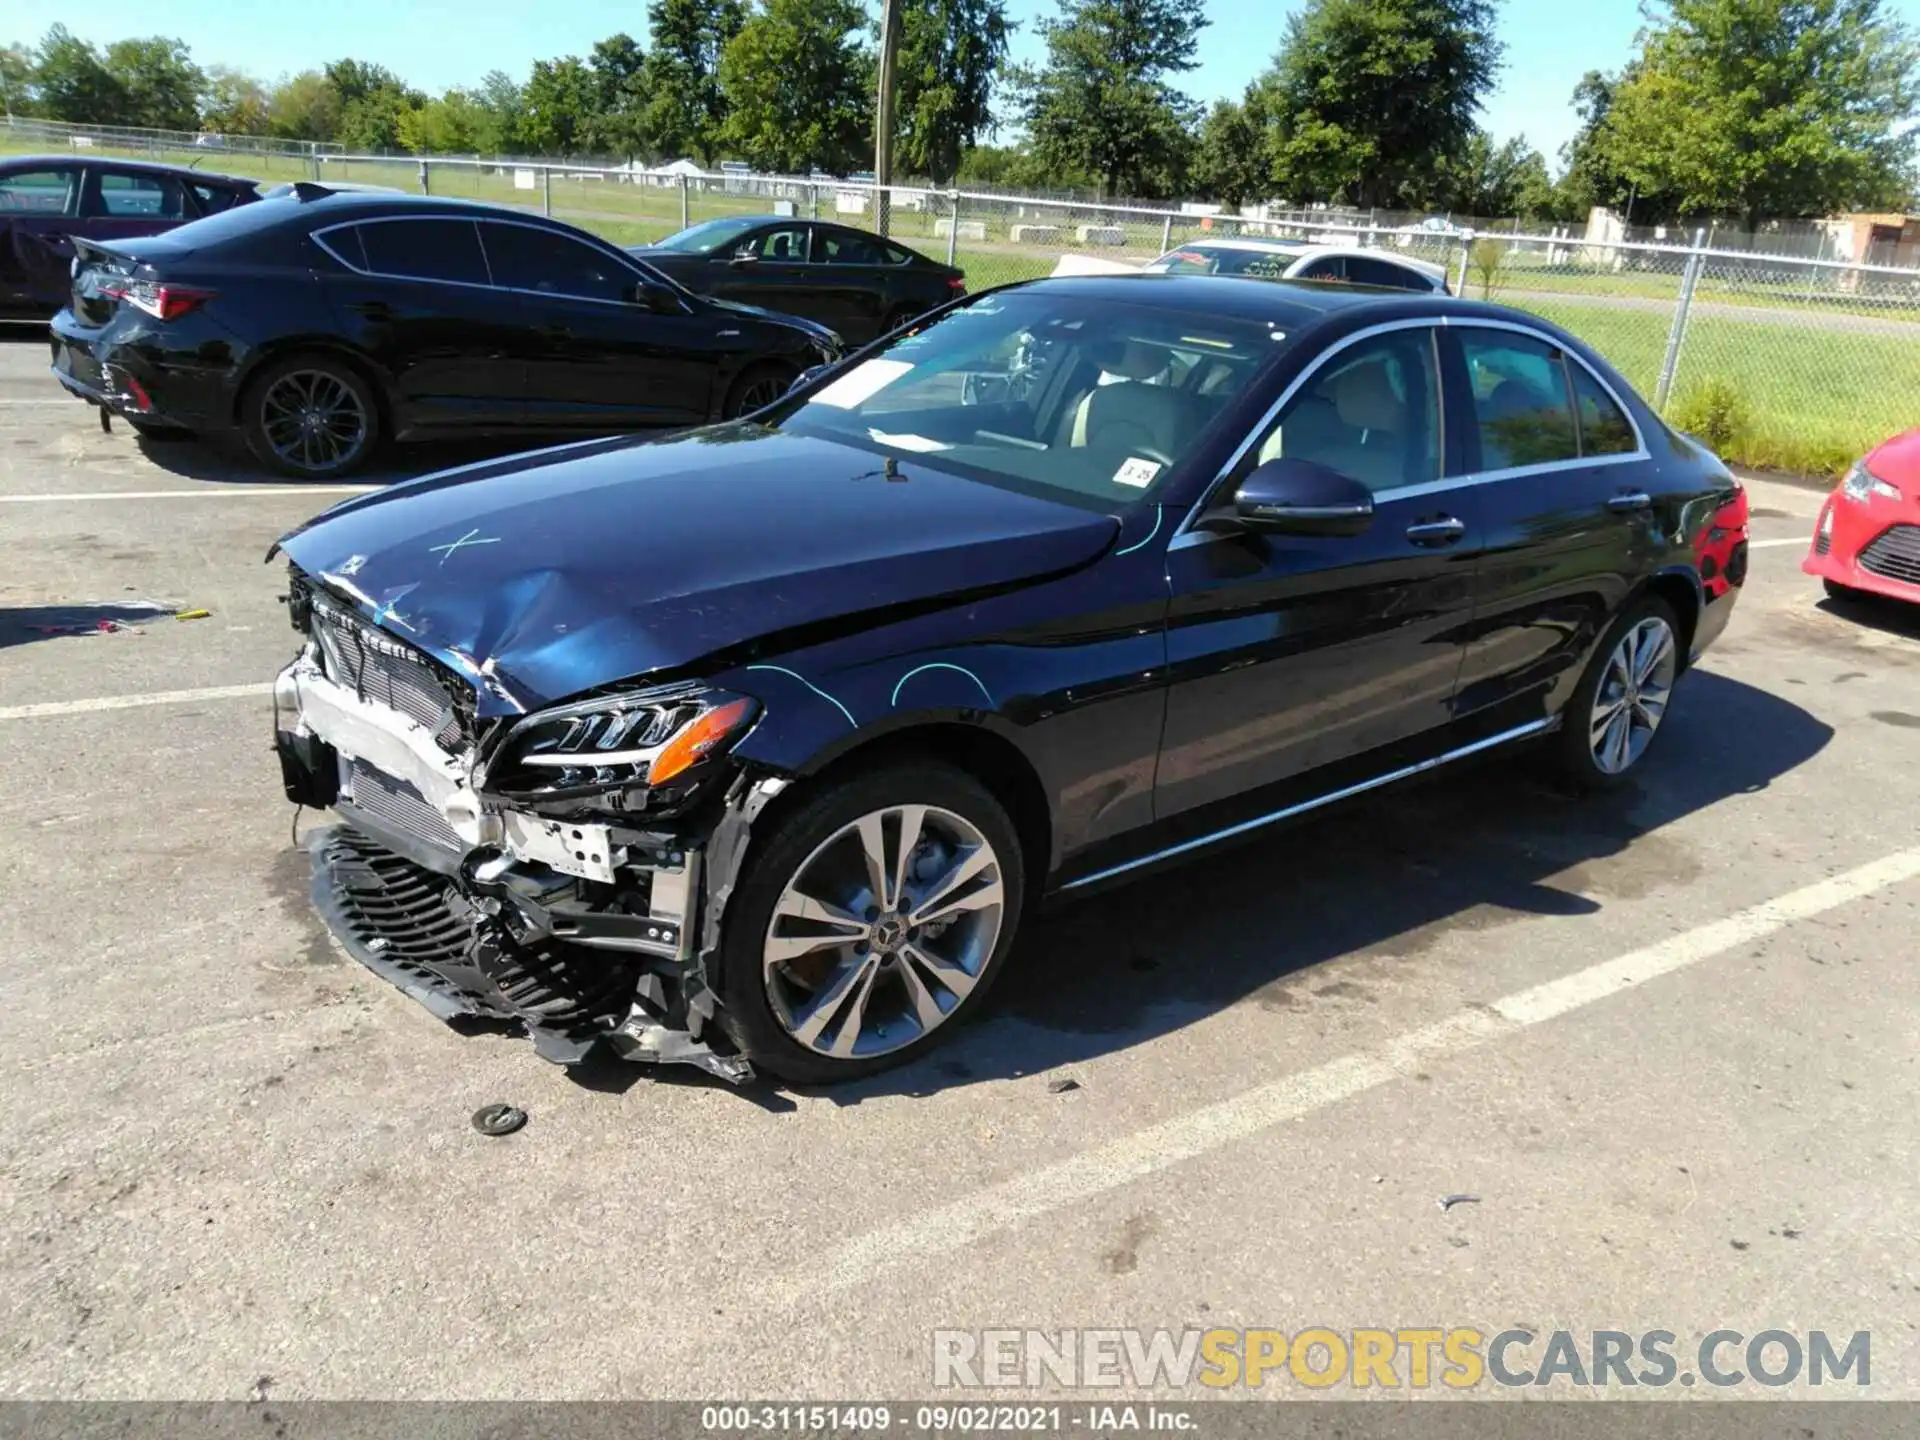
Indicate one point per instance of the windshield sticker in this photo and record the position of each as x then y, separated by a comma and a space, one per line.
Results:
918, 443
861, 383
1136, 472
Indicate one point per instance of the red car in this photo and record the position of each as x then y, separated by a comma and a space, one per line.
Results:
1868, 538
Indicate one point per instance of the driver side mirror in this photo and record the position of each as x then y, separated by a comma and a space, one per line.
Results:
1301, 497
660, 299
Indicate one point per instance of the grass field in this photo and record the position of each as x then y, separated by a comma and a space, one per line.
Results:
1815, 395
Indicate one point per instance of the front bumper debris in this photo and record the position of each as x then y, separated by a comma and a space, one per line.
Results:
463, 904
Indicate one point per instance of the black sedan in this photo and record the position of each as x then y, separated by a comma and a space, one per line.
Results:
48, 200
860, 284
318, 323
756, 746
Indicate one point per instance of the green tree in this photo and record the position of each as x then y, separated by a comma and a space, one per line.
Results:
1369, 99
161, 83
359, 80
798, 83
372, 102
455, 124
17, 93
560, 97
75, 84
685, 106
234, 103
1768, 108
950, 52
1495, 181
618, 124
1104, 101
1229, 161
1014, 168
503, 107
304, 107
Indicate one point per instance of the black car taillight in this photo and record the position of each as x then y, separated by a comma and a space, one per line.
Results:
158, 299
957, 284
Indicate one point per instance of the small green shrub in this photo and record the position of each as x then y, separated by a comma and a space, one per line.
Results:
1486, 260
1716, 414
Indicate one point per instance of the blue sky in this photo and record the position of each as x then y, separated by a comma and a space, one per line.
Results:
437, 43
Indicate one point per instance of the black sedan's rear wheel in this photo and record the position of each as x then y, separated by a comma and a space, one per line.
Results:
1622, 699
310, 416
758, 387
869, 921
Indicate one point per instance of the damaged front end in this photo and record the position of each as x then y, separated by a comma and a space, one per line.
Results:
564, 870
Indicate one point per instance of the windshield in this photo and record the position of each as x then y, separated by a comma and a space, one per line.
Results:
1047, 392
709, 235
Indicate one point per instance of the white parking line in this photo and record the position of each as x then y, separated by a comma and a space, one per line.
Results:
1770, 544
215, 492
134, 702
1186, 1137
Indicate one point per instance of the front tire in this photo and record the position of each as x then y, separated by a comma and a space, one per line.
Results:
311, 417
757, 387
1622, 699
870, 921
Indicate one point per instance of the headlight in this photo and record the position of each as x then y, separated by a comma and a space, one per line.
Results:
636, 742
1862, 484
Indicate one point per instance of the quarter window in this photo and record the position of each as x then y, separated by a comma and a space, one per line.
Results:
1365, 270
421, 250
215, 198
1604, 429
525, 257
1520, 399
40, 192
145, 197
1372, 412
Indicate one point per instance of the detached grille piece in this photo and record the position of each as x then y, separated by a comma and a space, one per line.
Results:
386, 672
1894, 553
395, 804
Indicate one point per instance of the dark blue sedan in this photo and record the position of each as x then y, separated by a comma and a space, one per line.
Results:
753, 747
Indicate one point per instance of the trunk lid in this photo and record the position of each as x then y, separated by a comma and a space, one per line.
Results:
99, 271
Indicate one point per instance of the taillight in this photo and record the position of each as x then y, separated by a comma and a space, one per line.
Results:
162, 301
957, 284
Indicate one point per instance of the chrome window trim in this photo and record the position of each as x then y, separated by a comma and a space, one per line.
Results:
1185, 534
641, 271
1419, 767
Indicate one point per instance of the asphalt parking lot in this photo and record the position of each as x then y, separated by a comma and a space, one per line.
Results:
1670, 1039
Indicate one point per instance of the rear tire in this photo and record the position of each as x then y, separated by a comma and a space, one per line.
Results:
1621, 702
158, 433
877, 984
311, 417
757, 387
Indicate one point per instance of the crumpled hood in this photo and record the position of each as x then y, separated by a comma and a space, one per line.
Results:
563, 571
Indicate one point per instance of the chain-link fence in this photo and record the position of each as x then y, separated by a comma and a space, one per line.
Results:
1791, 360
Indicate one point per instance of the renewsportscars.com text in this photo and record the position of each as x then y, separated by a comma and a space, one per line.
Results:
1403, 1358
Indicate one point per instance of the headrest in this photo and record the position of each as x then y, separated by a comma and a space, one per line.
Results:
1130, 359
1365, 399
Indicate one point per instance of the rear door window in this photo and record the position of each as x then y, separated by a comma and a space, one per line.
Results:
123, 196
1520, 399
447, 250
1329, 267
1365, 270
525, 257
1604, 428
50, 192
841, 247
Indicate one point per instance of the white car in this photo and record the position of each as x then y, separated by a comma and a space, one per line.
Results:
1291, 260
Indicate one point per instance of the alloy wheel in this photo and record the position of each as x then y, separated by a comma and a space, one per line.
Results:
760, 394
313, 420
1631, 699
883, 931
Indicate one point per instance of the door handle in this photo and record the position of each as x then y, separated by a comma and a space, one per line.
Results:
1444, 531
373, 310
1630, 500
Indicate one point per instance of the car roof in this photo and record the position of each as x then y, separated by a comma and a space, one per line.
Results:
1290, 302
1301, 248
115, 162
316, 198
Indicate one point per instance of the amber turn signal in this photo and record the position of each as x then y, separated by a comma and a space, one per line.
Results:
691, 745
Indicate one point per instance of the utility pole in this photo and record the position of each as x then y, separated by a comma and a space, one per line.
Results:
883, 117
